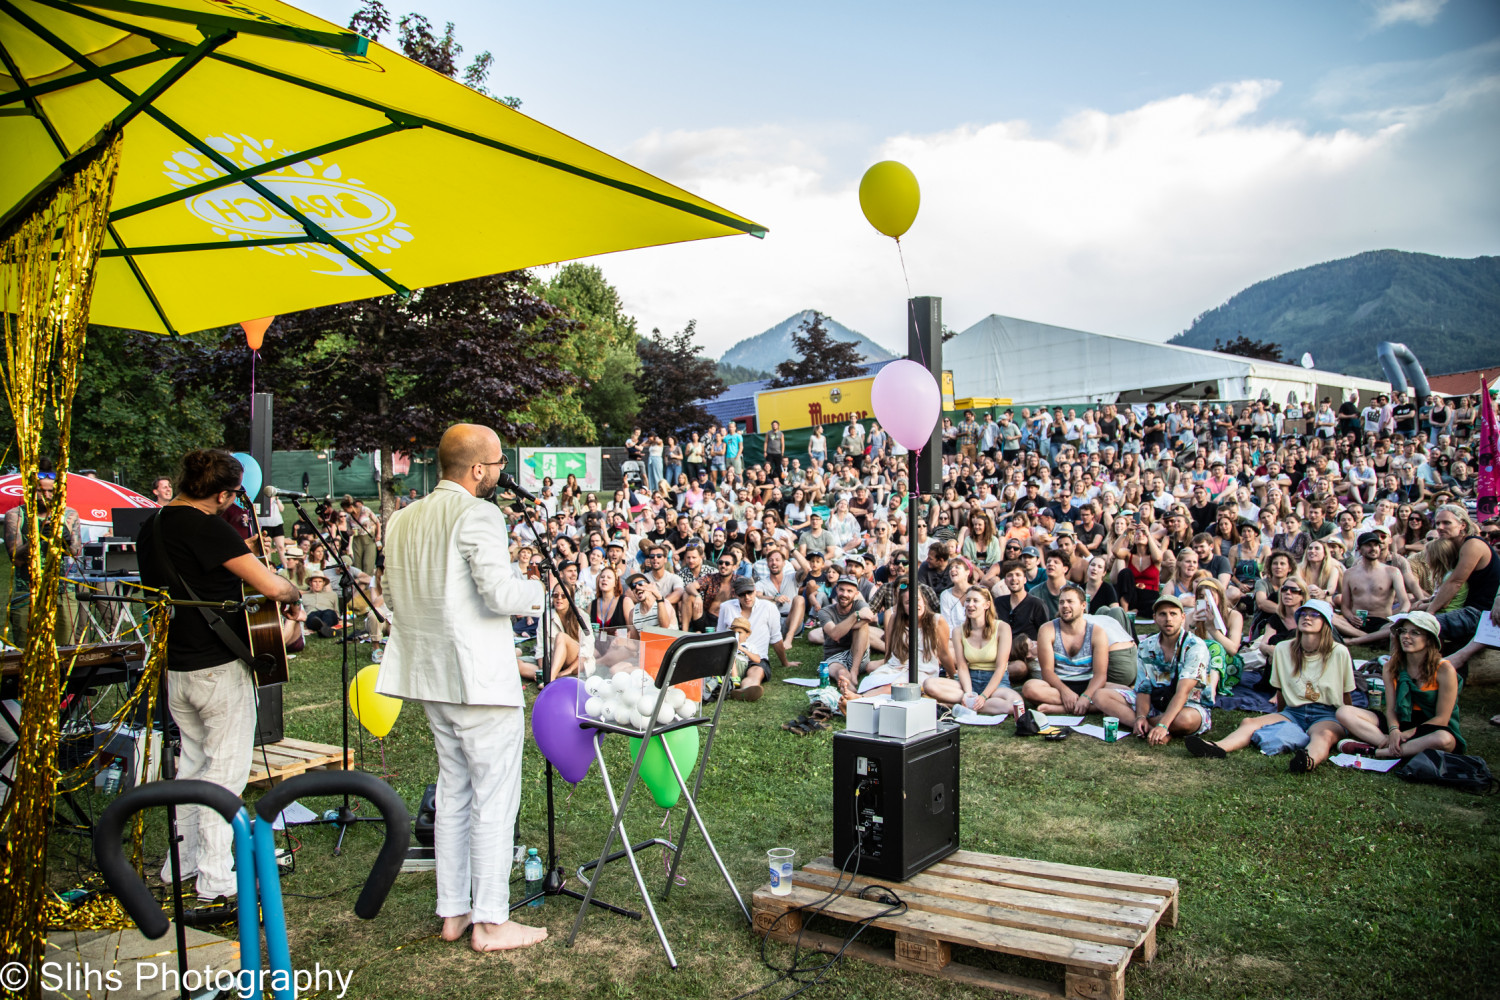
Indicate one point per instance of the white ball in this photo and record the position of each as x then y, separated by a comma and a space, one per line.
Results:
676, 697
593, 708
638, 721
646, 704
688, 710
620, 682
666, 715
640, 677
615, 713
593, 685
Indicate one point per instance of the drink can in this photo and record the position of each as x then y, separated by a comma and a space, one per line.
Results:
1363, 616
1376, 694
823, 674
1111, 729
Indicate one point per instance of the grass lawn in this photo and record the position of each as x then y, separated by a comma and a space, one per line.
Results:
1338, 884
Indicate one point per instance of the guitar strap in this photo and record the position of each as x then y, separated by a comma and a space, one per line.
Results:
216, 622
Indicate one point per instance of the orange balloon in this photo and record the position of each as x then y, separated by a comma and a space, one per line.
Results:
255, 331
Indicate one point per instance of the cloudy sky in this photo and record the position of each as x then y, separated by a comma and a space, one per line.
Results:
1112, 167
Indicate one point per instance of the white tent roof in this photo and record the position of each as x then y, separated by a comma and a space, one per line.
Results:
1001, 356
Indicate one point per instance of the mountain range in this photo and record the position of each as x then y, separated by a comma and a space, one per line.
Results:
764, 351
1447, 310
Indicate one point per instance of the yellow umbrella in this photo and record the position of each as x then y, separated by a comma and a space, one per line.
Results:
273, 162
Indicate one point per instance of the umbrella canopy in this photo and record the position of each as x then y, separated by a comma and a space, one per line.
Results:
94, 499
274, 162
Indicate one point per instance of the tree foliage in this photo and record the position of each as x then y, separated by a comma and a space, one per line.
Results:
599, 350
820, 357
382, 374
673, 378
1261, 350
131, 418
735, 374
420, 43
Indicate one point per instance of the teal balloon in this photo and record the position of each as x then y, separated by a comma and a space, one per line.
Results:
251, 480
656, 772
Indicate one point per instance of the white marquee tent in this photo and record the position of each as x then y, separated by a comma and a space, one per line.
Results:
1032, 363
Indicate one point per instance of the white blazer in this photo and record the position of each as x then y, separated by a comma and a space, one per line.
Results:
449, 585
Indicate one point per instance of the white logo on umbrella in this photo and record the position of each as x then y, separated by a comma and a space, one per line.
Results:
315, 187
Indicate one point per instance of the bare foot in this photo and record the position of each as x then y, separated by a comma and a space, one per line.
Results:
454, 927
506, 936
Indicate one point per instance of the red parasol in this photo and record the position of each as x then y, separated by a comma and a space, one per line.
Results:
94, 499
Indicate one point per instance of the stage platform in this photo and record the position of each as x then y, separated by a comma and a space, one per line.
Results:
1090, 921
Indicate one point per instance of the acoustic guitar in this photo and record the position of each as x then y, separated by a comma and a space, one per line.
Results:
263, 621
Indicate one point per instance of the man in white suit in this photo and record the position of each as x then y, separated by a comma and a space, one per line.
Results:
448, 578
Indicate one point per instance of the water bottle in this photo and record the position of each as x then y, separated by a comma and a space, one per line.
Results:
823, 674
534, 876
113, 776
377, 653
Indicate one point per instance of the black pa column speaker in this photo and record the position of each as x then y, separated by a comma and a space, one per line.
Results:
924, 345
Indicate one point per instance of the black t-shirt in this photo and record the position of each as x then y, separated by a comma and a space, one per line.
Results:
1025, 618
1090, 535
198, 545
1103, 597
1405, 414
1155, 427
1203, 517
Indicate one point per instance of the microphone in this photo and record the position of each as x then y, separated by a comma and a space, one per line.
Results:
294, 494
508, 483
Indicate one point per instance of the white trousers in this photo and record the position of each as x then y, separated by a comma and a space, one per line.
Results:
214, 710
478, 796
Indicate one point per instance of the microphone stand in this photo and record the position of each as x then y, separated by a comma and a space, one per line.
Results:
347, 584
553, 883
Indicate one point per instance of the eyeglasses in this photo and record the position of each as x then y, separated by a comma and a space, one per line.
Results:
726, 562
903, 562
502, 463
1293, 590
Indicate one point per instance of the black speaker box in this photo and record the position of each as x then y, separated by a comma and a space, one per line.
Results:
268, 721
904, 816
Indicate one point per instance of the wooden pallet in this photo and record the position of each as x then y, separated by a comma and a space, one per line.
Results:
1091, 921
292, 757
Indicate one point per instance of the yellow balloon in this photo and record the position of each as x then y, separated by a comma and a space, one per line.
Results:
375, 711
889, 196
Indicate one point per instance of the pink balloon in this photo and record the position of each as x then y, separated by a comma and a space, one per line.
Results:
907, 403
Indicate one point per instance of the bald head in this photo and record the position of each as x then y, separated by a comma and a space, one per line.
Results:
469, 454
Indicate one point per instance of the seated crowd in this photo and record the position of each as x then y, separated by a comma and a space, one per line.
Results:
1254, 537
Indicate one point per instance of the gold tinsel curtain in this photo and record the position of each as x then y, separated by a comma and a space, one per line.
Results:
46, 282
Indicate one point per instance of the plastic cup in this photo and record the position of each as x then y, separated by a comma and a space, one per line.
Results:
1111, 729
780, 859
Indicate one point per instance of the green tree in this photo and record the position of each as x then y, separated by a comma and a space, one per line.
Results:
131, 419
599, 350
673, 379
820, 358
735, 374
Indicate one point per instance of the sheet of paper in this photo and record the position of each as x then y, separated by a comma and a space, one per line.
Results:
870, 682
801, 682
294, 813
1363, 763
1065, 720
1488, 633
1097, 732
968, 717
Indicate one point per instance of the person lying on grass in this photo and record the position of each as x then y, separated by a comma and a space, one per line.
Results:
1169, 686
1421, 705
1074, 656
1313, 676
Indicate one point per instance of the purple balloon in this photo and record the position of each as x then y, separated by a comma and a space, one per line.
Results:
554, 726
907, 403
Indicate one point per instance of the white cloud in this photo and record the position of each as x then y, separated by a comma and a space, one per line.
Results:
1422, 12
1130, 223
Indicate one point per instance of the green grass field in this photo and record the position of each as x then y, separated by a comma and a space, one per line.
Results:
1338, 884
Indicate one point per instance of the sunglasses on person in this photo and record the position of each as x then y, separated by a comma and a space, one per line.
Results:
1293, 590
903, 562
726, 562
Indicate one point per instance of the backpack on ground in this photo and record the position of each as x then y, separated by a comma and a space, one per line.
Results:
1454, 770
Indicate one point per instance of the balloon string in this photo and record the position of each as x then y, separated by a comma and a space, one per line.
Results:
911, 306
253, 355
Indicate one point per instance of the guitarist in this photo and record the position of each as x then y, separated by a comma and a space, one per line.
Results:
189, 549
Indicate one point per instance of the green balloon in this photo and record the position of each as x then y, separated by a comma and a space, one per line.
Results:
656, 772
